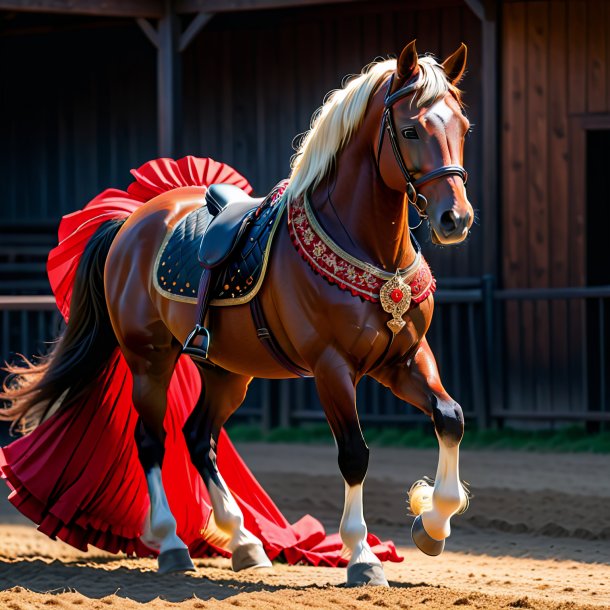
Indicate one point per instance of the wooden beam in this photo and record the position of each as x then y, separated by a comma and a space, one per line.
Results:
223, 6
149, 29
193, 28
476, 6
109, 8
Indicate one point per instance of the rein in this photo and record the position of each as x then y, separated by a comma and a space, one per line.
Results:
418, 200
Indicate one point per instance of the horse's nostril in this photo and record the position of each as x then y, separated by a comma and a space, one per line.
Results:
448, 221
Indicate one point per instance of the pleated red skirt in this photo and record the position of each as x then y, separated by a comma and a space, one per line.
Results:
77, 475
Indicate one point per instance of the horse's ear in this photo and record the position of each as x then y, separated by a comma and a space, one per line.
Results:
455, 65
406, 66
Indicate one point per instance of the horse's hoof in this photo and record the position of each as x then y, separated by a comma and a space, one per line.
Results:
175, 560
251, 555
423, 541
370, 574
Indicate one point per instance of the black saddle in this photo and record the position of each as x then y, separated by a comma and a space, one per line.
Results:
234, 232
232, 210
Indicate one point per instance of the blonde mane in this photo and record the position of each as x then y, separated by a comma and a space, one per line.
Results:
342, 112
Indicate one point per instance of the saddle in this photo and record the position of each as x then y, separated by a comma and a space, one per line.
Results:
231, 209
232, 233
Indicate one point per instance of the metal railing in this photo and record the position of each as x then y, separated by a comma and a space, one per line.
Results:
504, 355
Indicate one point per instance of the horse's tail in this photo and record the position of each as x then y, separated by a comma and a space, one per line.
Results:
78, 356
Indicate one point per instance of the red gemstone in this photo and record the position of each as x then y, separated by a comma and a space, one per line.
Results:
396, 295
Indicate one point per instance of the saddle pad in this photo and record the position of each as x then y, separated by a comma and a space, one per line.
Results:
177, 269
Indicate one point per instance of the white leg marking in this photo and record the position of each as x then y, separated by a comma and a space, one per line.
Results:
448, 496
160, 530
228, 515
353, 528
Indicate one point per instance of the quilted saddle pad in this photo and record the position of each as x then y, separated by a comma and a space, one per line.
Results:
177, 270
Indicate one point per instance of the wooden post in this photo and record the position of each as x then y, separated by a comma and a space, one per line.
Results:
168, 41
169, 85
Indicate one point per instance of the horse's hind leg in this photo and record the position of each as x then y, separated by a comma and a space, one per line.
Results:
152, 369
418, 382
222, 393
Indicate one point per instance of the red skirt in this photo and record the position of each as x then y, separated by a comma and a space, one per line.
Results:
77, 475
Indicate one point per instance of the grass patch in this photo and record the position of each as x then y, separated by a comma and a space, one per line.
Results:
569, 439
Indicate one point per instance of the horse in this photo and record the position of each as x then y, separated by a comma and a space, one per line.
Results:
390, 137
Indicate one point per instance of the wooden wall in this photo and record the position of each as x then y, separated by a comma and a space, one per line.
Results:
556, 80
555, 86
78, 109
78, 99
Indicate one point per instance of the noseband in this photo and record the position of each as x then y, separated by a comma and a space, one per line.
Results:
387, 123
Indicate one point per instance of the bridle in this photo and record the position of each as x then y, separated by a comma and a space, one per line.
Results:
418, 200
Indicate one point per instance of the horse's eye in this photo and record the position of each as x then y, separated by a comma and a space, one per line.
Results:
410, 133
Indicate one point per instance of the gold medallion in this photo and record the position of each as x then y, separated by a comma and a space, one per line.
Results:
395, 296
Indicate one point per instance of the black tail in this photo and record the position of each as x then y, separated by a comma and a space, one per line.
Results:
81, 351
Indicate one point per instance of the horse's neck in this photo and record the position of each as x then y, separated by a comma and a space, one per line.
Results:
369, 219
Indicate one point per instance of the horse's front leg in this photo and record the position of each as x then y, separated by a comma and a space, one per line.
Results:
336, 388
418, 382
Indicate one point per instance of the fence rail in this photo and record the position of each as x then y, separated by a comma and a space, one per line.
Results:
515, 356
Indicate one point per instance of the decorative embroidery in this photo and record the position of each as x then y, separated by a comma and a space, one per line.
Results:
348, 275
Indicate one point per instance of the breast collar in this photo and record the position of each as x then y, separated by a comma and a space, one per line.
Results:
397, 292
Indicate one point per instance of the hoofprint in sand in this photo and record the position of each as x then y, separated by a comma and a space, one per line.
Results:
537, 535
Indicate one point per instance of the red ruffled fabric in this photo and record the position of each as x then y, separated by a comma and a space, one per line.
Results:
77, 475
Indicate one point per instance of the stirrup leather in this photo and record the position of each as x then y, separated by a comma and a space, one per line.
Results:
197, 352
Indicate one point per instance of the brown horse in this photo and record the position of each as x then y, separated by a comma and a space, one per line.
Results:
391, 136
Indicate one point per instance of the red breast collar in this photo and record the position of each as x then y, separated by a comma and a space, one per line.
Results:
348, 273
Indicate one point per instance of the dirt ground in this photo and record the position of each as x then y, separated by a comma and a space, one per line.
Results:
537, 535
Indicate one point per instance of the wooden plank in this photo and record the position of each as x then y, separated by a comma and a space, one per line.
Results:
577, 262
371, 38
473, 260
577, 72
607, 66
559, 196
490, 153
596, 56
221, 6
514, 211
114, 8
537, 186
452, 31
225, 121
558, 145
428, 31
537, 147
263, 184
578, 201
218, 6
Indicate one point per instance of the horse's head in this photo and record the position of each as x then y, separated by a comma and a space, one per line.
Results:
420, 143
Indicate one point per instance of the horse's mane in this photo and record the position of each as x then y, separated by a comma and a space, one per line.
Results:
343, 109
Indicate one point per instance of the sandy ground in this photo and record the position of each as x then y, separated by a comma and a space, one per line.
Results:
537, 535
